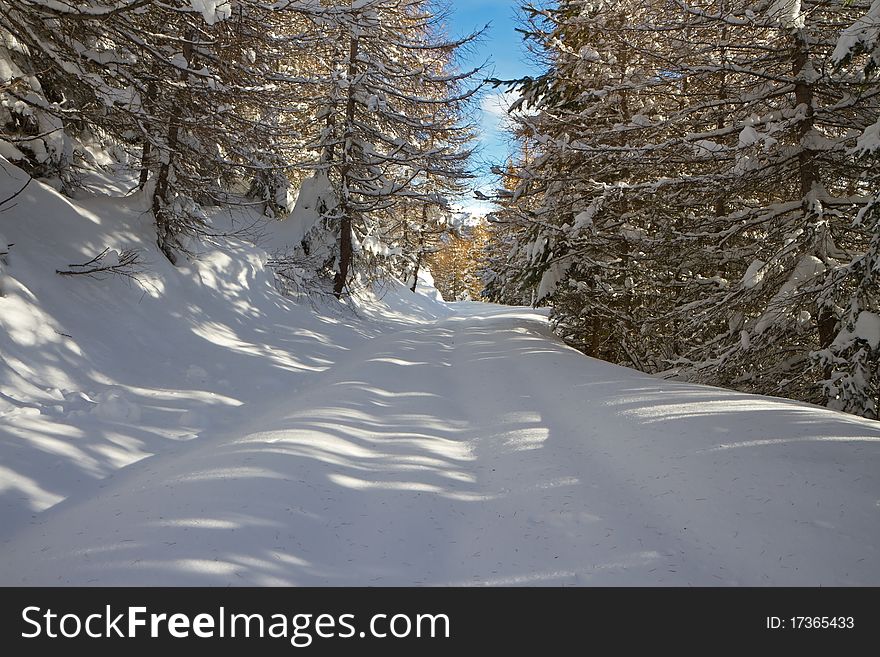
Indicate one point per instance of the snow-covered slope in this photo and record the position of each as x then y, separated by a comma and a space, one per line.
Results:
412, 443
96, 373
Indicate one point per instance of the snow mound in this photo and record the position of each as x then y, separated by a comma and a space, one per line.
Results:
115, 407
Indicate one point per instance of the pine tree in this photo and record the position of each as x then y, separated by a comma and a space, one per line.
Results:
694, 200
390, 129
506, 270
851, 362
189, 89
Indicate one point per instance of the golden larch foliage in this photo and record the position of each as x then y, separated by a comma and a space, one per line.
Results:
457, 263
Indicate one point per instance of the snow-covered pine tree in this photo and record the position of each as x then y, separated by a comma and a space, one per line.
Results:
581, 233
696, 199
210, 93
52, 92
388, 124
191, 89
428, 215
779, 241
851, 362
507, 274
420, 227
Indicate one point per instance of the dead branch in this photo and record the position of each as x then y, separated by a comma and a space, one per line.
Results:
9, 198
127, 259
127, 265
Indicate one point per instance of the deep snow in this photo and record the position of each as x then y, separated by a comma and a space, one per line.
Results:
204, 430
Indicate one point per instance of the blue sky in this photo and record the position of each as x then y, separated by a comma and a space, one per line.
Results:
502, 46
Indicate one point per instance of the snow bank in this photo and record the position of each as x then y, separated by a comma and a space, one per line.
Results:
97, 373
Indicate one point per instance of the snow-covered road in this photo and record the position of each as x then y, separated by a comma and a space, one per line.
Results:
478, 450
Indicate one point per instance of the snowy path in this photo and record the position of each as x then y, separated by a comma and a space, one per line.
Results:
479, 450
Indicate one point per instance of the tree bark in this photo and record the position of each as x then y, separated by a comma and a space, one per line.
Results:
420, 252
165, 230
147, 148
808, 168
345, 244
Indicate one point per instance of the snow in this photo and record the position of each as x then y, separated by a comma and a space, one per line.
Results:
706, 148
116, 407
754, 275
788, 13
315, 200
9, 151
4, 256
589, 54
8, 70
807, 268
869, 140
867, 328
863, 34
201, 429
213, 11
584, 220
551, 278
374, 245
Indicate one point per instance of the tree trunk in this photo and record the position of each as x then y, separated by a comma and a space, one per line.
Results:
416, 271
345, 245
147, 148
721, 120
808, 168
808, 175
420, 252
345, 253
165, 229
